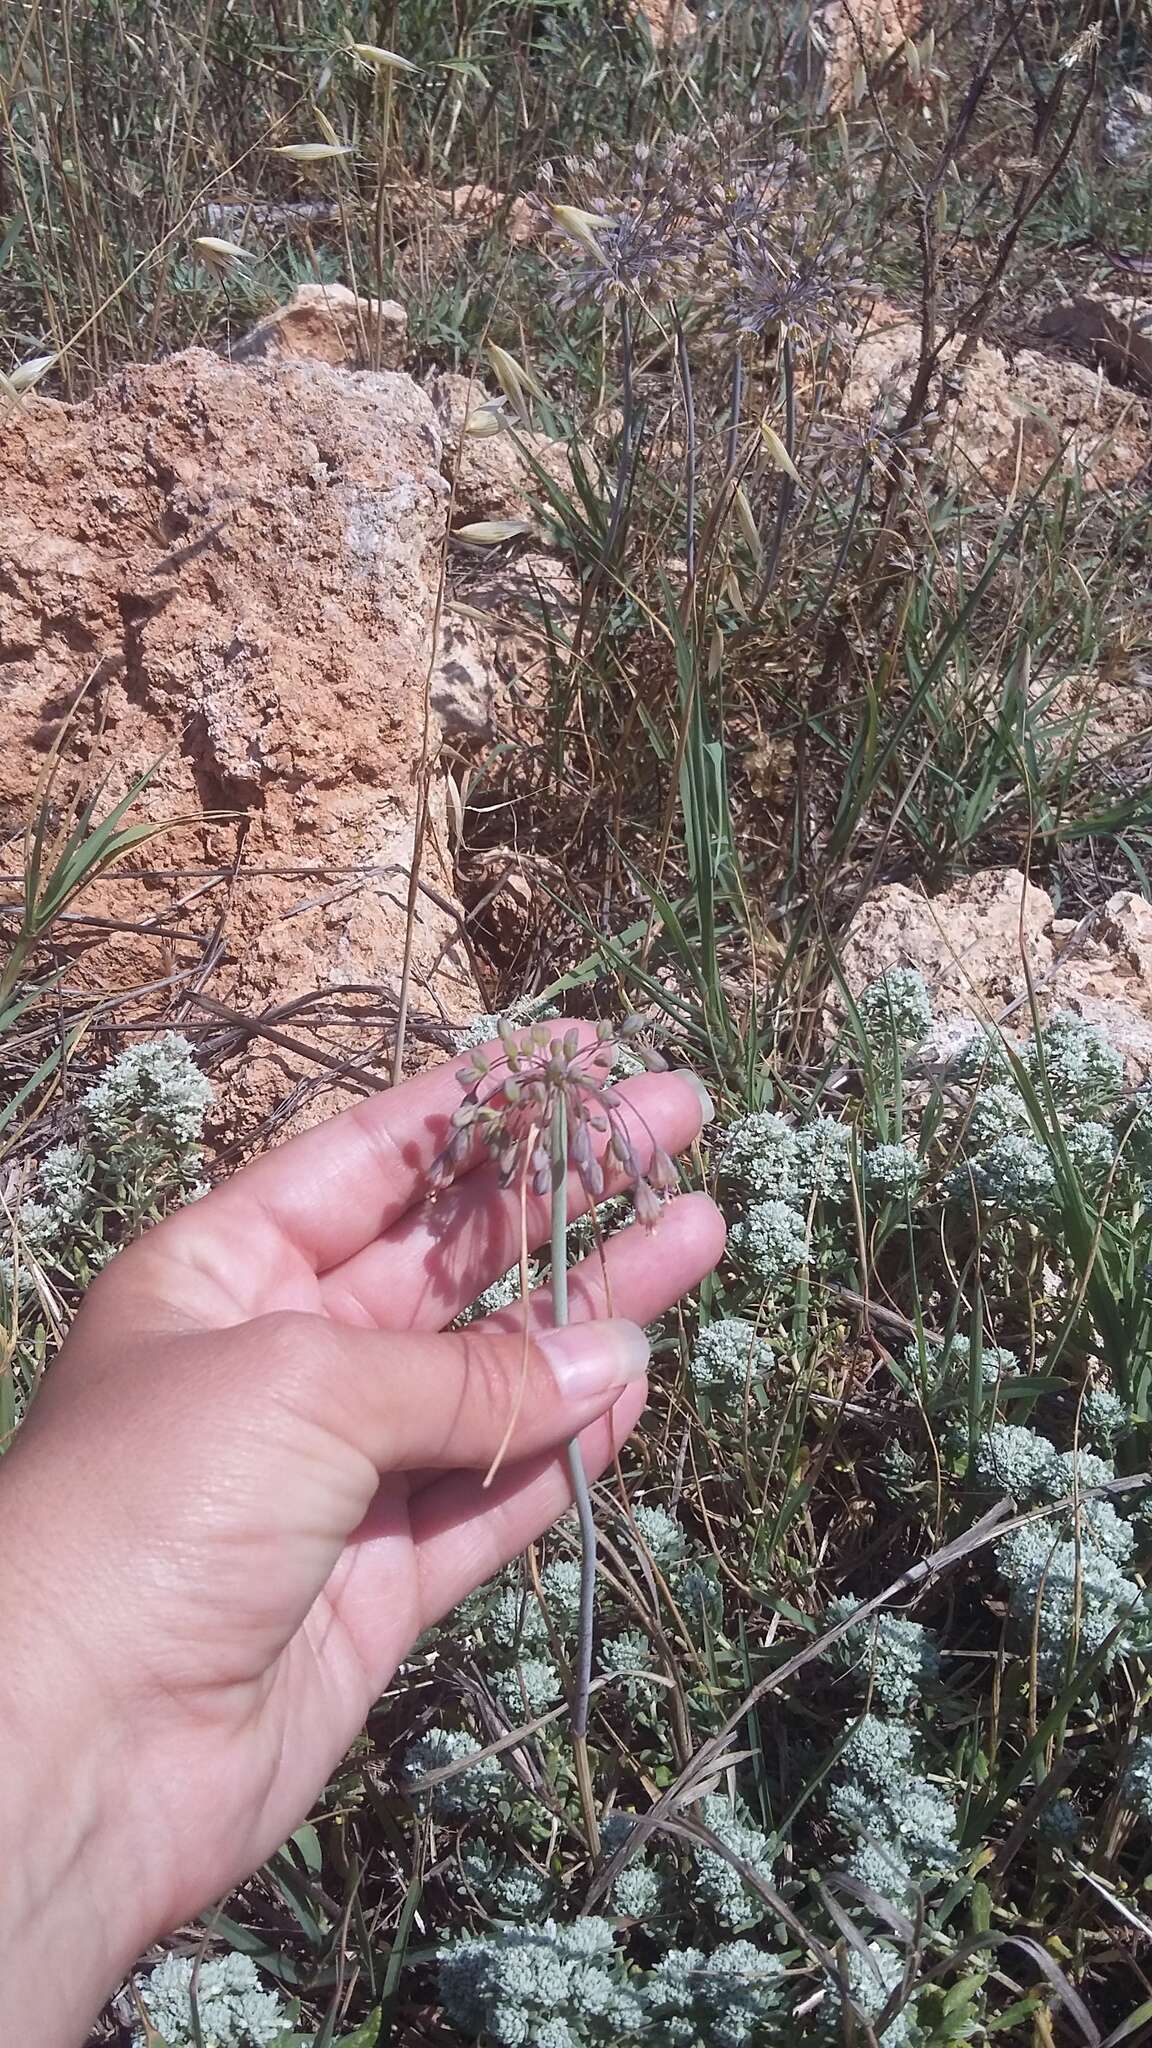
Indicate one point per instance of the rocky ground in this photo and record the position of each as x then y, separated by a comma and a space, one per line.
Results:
239, 575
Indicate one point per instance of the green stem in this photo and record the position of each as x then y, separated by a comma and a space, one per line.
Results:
582, 1672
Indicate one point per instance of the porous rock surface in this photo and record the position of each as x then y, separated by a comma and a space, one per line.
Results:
329, 323
505, 625
1010, 423
494, 473
980, 942
233, 572
853, 39
1114, 328
970, 942
669, 21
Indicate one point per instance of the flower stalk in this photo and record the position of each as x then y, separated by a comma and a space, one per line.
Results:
546, 1107
582, 1670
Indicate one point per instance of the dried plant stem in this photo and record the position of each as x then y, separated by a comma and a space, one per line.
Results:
582, 1669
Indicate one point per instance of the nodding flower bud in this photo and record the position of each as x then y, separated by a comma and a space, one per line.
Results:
440, 1172
592, 1177
662, 1172
647, 1205
653, 1060
620, 1147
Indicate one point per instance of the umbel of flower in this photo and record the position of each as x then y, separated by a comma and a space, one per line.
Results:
543, 1080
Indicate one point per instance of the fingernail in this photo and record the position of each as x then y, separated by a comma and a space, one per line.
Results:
707, 1106
591, 1358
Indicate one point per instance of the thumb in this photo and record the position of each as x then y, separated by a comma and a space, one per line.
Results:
425, 1402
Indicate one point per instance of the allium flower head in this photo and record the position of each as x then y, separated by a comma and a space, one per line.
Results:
640, 254
514, 1100
770, 292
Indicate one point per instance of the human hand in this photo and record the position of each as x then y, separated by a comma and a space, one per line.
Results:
253, 1477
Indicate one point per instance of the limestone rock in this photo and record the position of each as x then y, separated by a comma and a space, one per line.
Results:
501, 630
970, 942
232, 572
1127, 129
494, 477
477, 209
1009, 421
669, 21
328, 323
1100, 719
855, 36
1113, 327
1106, 977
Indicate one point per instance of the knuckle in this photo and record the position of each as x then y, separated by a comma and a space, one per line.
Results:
491, 1374
286, 1342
